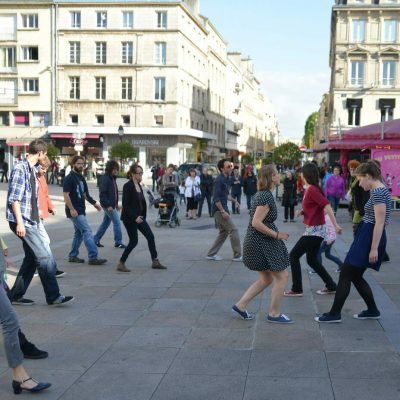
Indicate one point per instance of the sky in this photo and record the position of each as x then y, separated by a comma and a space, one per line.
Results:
288, 41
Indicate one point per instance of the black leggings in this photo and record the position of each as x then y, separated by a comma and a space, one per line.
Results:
308, 245
348, 275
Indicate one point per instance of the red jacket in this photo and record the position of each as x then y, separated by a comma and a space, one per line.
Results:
313, 206
45, 203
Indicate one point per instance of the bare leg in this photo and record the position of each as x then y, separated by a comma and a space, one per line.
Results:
256, 288
19, 374
281, 278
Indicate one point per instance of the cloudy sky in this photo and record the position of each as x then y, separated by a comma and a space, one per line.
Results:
288, 41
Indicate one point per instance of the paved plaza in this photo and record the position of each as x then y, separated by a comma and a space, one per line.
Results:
170, 335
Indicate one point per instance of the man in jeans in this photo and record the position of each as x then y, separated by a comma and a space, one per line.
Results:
109, 201
223, 221
23, 216
76, 192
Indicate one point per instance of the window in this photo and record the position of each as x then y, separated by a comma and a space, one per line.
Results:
40, 119
342, 2
126, 119
4, 118
75, 52
387, 108
75, 87
101, 17
354, 111
8, 91
75, 19
30, 85
160, 53
100, 119
7, 58
100, 88
8, 27
359, 30
127, 52
357, 73
159, 120
30, 53
162, 19
127, 19
126, 93
73, 119
21, 119
159, 93
101, 52
390, 30
389, 73
30, 21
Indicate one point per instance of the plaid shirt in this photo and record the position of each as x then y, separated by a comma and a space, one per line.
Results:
19, 189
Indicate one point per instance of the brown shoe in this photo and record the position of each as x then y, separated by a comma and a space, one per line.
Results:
157, 265
122, 268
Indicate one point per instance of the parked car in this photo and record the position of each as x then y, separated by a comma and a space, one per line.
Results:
184, 168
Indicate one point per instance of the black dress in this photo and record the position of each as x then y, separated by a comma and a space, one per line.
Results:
262, 252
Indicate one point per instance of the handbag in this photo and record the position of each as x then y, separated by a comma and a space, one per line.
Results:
197, 197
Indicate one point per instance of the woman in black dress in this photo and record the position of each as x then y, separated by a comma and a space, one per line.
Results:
289, 197
133, 216
264, 250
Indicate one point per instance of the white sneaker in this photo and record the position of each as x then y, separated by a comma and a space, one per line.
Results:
238, 259
214, 258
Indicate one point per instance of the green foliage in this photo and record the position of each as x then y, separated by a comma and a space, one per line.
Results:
308, 137
122, 151
247, 159
52, 151
287, 154
268, 160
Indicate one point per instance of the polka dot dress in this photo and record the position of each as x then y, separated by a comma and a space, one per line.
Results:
262, 252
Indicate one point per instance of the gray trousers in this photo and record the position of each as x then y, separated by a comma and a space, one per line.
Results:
226, 228
10, 325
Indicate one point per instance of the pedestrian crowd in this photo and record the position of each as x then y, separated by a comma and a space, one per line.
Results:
264, 249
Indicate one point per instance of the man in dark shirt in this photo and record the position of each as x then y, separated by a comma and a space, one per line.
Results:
22, 212
76, 192
223, 221
206, 187
109, 201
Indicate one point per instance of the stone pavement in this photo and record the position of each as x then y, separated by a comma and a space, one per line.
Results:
170, 335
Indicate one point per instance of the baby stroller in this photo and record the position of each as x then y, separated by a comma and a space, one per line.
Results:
167, 209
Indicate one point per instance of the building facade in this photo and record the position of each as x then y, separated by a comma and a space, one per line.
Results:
83, 72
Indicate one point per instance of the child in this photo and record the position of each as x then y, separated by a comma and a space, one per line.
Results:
327, 244
182, 198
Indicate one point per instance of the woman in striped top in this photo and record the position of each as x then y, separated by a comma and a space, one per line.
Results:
368, 247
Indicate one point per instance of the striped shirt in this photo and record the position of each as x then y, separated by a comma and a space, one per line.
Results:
20, 189
377, 196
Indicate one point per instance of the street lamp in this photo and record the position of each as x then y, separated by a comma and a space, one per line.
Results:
120, 132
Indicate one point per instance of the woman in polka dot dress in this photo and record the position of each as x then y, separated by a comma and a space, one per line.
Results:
264, 250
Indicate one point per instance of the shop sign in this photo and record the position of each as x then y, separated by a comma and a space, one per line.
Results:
146, 142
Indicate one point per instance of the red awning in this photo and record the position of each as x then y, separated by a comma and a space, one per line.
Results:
16, 143
69, 136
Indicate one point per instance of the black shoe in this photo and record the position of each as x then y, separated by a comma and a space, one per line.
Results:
97, 261
98, 244
31, 352
17, 386
76, 260
119, 246
22, 302
59, 273
61, 300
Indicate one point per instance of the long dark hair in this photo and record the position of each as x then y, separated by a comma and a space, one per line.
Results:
311, 175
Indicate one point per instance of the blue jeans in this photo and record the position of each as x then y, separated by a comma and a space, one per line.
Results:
36, 256
334, 202
132, 229
82, 233
248, 198
326, 248
237, 197
110, 216
46, 239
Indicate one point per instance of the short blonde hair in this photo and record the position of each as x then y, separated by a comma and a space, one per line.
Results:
265, 177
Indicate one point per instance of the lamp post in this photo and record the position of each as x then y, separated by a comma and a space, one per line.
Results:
120, 132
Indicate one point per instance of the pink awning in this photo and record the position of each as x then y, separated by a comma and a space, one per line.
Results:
69, 136
15, 143
353, 144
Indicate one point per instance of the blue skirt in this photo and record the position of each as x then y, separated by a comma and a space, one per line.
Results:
359, 250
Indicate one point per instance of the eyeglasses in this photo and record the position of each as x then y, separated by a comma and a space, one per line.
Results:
139, 173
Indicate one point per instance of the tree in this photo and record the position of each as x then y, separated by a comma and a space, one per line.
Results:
308, 138
287, 154
52, 151
122, 151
